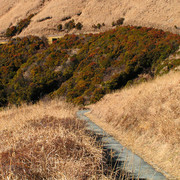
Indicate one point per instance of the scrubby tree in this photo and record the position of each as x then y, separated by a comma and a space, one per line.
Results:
70, 25
22, 24
79, 26
99, 26
11, 31
119, 22
59, 27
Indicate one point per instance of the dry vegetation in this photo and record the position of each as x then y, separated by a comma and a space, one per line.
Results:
163, 14
46, 141
146, 118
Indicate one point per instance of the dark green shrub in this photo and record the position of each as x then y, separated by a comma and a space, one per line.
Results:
23, 24
79, 100
99, 26
113, 23
97, 95
43, 19
11, 31
70, 25
3, 96
59, 27
66, 18
78, 14
79, 26
118, 22
94, 26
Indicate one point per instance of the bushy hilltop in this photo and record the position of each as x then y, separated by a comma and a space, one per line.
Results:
83, 68
162, 14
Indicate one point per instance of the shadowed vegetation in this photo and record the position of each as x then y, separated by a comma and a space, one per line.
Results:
13, 30
82, 68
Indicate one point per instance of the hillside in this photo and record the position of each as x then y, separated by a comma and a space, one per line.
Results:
83, 68
161, 14
146, 119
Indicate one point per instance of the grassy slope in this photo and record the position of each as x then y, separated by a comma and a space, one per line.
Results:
45, 141
146, 119
151, 13
82, 68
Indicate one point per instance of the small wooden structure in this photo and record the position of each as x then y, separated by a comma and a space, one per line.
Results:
3, 41
53, 38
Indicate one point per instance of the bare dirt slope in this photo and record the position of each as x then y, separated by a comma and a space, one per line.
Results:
164, 14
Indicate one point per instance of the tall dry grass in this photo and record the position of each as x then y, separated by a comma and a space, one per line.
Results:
146, 118
46, 141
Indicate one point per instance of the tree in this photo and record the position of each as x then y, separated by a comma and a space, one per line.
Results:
99, 26
11, 31
59, 27
70, 25
120, 21
79, 26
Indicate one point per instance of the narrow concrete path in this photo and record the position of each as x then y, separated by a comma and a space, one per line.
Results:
122, 159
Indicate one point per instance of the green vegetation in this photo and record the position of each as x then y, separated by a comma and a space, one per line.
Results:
163, 66
81, 68
59, 27
12, 31
66, 18
118, 22
79, 26
69, 26
98, 26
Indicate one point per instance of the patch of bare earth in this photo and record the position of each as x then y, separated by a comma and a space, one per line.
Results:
146, 118
46, 141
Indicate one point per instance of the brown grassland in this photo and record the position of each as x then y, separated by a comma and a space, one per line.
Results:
161, 14
146, 118
46, 141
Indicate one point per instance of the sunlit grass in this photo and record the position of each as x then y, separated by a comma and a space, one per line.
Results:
146, 119
46, 141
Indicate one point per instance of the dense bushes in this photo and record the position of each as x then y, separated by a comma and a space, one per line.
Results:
12, 31
118, 22
69, 26
98, 26
12, 57
79, 26
82, 68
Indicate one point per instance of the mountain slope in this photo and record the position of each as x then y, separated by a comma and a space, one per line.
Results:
162, 14
146, 119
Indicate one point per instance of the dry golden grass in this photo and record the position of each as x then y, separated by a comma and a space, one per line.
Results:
46, 141
146, 118
162, 14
